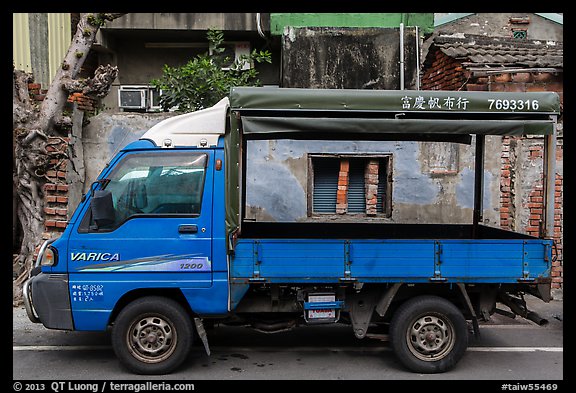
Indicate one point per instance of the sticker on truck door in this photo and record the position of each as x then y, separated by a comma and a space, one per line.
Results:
155, 263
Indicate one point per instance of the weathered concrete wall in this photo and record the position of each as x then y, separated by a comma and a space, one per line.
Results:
432, 182
347, 58
497, 24
278, 21
107, 133
189, 21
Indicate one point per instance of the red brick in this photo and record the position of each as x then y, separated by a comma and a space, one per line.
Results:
62, 199
536, 154
62, 187
522, 77
537, 193
476, 87
502, 78
515, 87
49, 210
34, 86
498, 87
544, 77
61, 224
50, 198
50, 223
61, 212
50, 187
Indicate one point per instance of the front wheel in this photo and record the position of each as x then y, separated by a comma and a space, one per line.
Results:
152, 335
429, 334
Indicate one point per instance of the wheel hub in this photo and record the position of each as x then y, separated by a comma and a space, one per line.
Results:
152, 339
430, 337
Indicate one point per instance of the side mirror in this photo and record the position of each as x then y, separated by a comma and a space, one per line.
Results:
102, 207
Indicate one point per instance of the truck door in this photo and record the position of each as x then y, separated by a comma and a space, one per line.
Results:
161, 234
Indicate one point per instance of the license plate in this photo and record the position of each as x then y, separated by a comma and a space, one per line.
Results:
321, 314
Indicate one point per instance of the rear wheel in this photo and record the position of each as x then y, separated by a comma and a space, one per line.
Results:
429, 334
152, 335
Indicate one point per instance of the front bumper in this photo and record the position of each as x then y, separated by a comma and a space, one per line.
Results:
47, 300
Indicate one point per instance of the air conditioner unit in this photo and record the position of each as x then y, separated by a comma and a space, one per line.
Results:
133, 97
234, 51
154, 99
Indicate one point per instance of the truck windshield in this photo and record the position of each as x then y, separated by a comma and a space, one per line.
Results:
154, 183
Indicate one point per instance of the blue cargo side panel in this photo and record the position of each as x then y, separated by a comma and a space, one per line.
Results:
301, 259
537, 258
491, 260
392, 259
242, 263
481, 259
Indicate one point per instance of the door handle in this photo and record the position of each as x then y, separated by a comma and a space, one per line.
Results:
188, 228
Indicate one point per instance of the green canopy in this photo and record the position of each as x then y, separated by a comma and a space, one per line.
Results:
286, 99
451, 116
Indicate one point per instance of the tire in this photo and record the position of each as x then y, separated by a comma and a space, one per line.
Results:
152, 335
429, 334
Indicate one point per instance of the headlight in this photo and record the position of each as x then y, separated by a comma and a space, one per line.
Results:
49, 257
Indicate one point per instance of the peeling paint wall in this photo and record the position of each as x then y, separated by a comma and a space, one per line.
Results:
347, 58
107, 133
277, 183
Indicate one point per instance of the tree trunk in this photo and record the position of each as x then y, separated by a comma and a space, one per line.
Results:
31, 129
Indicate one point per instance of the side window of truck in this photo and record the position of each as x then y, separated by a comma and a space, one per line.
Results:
154, 184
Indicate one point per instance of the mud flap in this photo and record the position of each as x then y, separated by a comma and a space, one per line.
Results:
202, 334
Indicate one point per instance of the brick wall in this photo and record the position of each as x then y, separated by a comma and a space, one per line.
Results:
446, 73
56, 187
342, 193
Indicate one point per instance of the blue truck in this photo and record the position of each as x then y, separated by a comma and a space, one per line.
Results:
162, 247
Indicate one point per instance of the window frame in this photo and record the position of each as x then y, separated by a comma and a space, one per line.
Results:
387, 211
86, 224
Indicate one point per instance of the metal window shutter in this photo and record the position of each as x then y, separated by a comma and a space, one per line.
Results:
325, 184
356, 188
382, 181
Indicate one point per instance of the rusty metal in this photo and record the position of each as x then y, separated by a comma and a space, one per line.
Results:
549, 180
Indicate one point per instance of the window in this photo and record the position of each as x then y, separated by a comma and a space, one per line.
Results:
350, 185
520, 34
152, 183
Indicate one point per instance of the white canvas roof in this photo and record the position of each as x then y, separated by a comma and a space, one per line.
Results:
201, 128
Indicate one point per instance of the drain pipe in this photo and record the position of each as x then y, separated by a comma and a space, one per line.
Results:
417, 59
401, 56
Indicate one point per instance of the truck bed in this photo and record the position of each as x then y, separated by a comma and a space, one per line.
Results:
310, 253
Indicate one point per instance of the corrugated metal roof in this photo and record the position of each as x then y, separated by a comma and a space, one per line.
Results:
59, 38
502, 51
58, 41
21, 42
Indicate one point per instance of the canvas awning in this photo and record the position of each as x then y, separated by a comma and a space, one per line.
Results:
302, 112
446, 116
